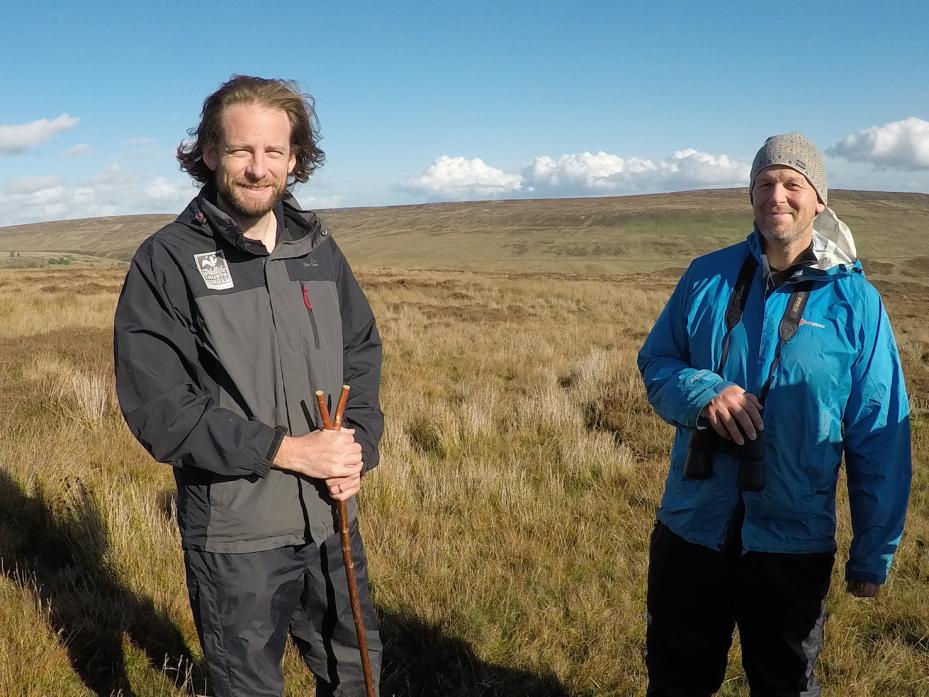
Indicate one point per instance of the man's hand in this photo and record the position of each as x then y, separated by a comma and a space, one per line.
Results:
734, 412
863, 589
343, 488
329, 455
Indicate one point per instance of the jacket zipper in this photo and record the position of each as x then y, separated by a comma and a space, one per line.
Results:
309, 309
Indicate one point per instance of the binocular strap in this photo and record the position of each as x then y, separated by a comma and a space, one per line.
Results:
737, 304
790, 322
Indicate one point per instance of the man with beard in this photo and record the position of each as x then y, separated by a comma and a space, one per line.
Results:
775, 359
229, 319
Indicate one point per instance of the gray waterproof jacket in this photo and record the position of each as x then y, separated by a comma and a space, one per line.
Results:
219, 348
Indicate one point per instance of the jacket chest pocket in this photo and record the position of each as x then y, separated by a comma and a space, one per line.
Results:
322, 324
308, 304
315, 294
816, 365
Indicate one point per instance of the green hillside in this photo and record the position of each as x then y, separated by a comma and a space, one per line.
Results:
626, 234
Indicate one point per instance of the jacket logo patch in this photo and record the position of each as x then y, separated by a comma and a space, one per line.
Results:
311, 262
214, 269
808, 323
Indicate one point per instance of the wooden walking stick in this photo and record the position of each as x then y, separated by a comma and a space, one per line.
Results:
346, 542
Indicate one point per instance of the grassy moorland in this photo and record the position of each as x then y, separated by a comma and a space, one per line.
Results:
507, 527
607, 235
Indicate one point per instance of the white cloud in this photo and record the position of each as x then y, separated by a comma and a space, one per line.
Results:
53, 196
587, 173
76, 151
17, 138
847, 174
898, 144
162, 190
576, 174
28, 185
688, 168
112, 191
458, 178
582, 171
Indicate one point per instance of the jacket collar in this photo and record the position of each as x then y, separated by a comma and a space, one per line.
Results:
833, 250
299, 231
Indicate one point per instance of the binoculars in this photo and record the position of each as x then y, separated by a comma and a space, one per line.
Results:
704, 443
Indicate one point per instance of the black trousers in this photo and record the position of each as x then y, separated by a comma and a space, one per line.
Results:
245, 605
697, 596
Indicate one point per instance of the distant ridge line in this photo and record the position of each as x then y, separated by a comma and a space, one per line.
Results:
639, 233
517, 201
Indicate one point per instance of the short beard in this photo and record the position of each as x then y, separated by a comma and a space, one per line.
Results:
230, 199
782, 237
786, 236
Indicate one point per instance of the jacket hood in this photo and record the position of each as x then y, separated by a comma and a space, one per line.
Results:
833, 248
833, 243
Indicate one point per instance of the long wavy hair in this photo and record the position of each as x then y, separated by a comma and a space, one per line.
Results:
275, 94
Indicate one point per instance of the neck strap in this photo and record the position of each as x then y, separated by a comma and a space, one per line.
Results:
737, 304
787, 328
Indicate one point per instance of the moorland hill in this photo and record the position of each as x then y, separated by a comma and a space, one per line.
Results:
607, 235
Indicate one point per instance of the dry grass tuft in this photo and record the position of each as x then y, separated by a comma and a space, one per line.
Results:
85, 397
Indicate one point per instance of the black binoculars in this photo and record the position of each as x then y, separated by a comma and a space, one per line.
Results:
704, 443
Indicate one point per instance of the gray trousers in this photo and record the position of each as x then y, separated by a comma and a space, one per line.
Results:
245, 605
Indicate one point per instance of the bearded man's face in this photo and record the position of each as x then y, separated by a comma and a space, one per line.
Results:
253, 159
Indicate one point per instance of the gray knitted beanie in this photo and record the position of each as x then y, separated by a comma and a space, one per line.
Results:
796, 152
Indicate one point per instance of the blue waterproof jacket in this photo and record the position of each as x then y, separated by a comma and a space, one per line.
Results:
837, 389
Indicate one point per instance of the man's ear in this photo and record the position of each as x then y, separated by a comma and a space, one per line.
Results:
210, 158
292, 163
820, 206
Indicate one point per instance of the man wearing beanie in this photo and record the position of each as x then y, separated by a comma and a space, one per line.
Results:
775, 360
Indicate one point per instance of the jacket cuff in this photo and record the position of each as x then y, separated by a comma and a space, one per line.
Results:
712, 385
852, 574
262, 466
371, 459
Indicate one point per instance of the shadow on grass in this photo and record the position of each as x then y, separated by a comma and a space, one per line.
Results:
58, 552
421, 661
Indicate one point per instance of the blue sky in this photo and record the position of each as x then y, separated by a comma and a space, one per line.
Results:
452, 100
